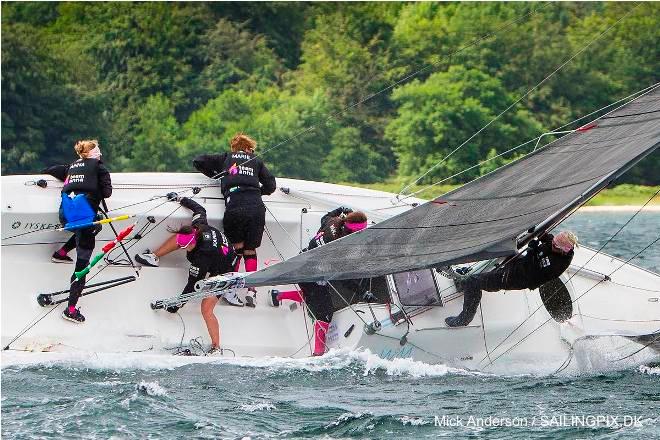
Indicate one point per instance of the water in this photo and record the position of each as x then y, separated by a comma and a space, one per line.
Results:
341, 395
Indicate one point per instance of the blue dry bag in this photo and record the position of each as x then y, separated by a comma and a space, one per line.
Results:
77, 211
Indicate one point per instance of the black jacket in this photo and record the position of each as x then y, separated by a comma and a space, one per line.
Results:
332, 228
538, 265
245, 177
212, 254
102, 188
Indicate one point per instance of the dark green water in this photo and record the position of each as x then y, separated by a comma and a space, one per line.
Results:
342, 395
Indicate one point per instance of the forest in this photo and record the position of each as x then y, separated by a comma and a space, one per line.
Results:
358, 92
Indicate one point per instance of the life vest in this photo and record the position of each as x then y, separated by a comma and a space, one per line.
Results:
82, 177
241, 173
210, 243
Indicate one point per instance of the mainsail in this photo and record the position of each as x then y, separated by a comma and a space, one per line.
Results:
485, 218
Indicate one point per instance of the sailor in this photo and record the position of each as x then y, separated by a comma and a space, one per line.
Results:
245, 178
62, 254
335, 224
544, 259
86, 184
209, 252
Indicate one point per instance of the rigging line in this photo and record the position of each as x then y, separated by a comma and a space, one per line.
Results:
634, 287
106, 211
618, 320
631, 114
130, 260
577, 271
27, 233
100, 269
32, 323
347, 303
297, 245
147, 232
302, 295
483, 330
391, 86
557, 130
518, 100
573, 301
642, 348
27, 328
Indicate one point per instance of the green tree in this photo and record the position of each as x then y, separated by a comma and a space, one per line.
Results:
352, 161
43, 114
157, 136
233, 55
439, 114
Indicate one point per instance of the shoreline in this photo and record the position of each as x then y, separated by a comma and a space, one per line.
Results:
619, 208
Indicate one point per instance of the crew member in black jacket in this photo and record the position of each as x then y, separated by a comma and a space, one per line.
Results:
245, 178
335, 224
86, 182
209, 252
542, 261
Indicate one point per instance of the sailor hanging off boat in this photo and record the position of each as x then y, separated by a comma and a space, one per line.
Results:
210, 253
335, 224
245, 178
86, 183
542, 261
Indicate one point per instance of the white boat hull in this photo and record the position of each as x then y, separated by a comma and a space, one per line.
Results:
508, 329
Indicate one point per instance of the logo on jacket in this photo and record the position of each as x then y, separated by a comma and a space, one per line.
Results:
545, 262
233, 169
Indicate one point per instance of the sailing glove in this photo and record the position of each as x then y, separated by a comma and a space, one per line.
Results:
173, 197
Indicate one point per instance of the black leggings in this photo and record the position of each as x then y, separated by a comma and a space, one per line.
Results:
472, 290
71, 242
318, 299
85, 242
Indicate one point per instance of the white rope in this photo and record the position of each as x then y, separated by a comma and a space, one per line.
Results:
518, 100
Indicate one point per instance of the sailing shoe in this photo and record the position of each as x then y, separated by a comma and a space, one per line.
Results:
454, 321
272, 295
232, 298
147, 258
76, 316
250, 301
60, 257
214, 351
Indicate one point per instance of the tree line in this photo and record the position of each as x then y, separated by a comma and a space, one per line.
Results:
159, 82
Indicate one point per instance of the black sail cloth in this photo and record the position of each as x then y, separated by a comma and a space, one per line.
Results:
482, 219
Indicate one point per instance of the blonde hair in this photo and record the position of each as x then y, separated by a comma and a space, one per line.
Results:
242, 142
84, 147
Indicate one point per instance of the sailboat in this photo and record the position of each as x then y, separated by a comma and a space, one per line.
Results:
399, 312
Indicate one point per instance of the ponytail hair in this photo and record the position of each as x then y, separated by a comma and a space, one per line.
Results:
355, 217
85, 146
242, 142
355, 221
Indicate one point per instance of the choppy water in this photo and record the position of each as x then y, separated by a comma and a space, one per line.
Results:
341, 395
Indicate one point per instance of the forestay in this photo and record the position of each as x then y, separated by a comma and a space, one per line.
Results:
484, 218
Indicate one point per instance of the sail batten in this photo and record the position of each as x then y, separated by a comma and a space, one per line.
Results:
484, 218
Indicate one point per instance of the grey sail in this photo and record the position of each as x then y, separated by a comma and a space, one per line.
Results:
485, 218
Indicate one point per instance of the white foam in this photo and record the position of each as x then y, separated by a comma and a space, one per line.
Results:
151, 388
263, 406
347, 417
413, 421
333, 360
404, 366
653, 371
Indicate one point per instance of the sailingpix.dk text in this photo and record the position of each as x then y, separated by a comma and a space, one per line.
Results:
561, 420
